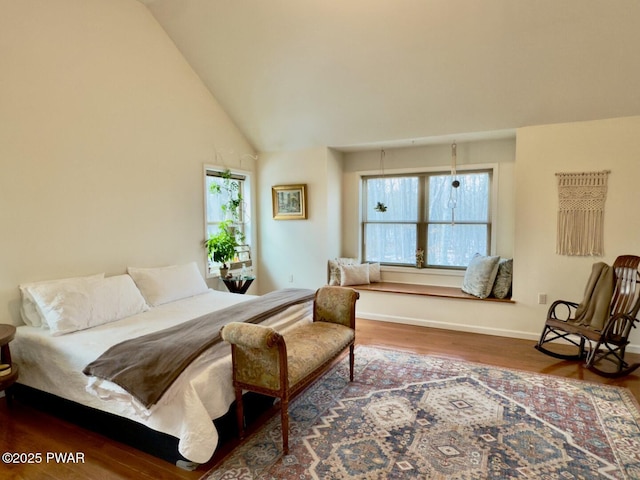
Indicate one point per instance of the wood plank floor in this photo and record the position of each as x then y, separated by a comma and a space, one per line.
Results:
23, 429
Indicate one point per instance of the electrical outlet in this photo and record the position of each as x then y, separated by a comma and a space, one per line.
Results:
542, 298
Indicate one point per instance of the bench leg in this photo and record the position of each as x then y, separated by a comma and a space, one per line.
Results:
284, 413
351, 362
239, 412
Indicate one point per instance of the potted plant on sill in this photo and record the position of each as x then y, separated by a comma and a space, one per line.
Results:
221, 247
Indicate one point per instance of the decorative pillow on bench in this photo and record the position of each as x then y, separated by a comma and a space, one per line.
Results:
480, 275
354, 274
504, 277
488, 275
347, 271
334, 268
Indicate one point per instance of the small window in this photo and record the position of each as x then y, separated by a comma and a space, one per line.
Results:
404, 213
227, 199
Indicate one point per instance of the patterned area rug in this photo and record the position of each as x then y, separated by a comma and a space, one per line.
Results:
413, 416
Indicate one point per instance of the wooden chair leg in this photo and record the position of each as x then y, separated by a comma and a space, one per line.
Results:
239, 412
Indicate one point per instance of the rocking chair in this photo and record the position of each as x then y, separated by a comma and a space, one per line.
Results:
598, 346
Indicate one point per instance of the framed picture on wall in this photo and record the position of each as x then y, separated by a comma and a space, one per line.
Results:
289, 202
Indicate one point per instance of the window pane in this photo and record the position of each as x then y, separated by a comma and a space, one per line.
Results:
471, 198
390, 243
399, 194
214, 201
455, 245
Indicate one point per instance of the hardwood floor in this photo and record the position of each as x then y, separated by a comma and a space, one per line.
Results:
26, 430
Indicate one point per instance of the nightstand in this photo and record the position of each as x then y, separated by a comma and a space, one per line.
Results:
7, 332
238, 284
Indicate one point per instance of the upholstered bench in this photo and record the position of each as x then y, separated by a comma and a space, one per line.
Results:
282, 365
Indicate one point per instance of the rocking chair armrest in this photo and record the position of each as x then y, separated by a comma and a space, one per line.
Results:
569, 308
630, 322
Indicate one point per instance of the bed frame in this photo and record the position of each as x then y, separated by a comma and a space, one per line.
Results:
128, 432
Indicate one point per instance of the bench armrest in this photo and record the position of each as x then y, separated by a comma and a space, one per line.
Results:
336, 305
249, 335
255, 360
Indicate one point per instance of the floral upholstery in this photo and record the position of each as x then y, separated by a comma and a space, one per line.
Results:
256, 361
249, 335
312, 345
267, 362
336, 305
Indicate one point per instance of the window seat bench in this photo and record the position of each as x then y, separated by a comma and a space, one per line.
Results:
426, 290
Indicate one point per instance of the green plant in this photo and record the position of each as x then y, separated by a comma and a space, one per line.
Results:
230, 189
232, 201
221, 247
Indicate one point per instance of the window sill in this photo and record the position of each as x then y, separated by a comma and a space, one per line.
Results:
425, 290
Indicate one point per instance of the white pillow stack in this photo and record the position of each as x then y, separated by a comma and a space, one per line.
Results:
70, 306
29, 310
346, 271
161, 285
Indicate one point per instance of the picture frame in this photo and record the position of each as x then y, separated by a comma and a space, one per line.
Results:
289, 202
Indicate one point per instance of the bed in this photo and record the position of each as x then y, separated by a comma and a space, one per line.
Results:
52, 359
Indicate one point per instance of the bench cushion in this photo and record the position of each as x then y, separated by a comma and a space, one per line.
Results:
309, 346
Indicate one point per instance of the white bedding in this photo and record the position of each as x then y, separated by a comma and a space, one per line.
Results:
201, 393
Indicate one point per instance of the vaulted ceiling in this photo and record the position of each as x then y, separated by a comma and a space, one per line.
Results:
297, 74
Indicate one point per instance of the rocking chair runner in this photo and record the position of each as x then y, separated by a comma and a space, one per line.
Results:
598, 346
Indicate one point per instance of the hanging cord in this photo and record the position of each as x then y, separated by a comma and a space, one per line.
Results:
380, 206
454, 182
454, 158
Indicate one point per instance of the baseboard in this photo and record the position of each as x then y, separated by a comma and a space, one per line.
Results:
461, 327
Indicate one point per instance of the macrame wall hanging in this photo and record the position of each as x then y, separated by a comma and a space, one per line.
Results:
581, 213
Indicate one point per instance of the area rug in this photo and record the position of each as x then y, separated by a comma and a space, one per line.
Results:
415, 416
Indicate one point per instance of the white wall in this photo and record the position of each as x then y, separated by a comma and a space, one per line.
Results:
104, 130
542, 151
299, 249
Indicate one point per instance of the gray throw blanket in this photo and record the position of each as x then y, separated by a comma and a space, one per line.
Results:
595, 307
146, 366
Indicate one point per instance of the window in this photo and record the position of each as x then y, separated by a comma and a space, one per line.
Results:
424, 210
227, 199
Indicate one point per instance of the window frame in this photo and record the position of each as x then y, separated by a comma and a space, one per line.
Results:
245, 216
422, 221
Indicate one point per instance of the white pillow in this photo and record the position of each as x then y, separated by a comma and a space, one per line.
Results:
76, 306
28, 309
480, 275
166, 284
354, 274
334, 268
374, 272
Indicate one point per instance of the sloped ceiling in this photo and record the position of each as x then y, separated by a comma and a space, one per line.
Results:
297, 74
